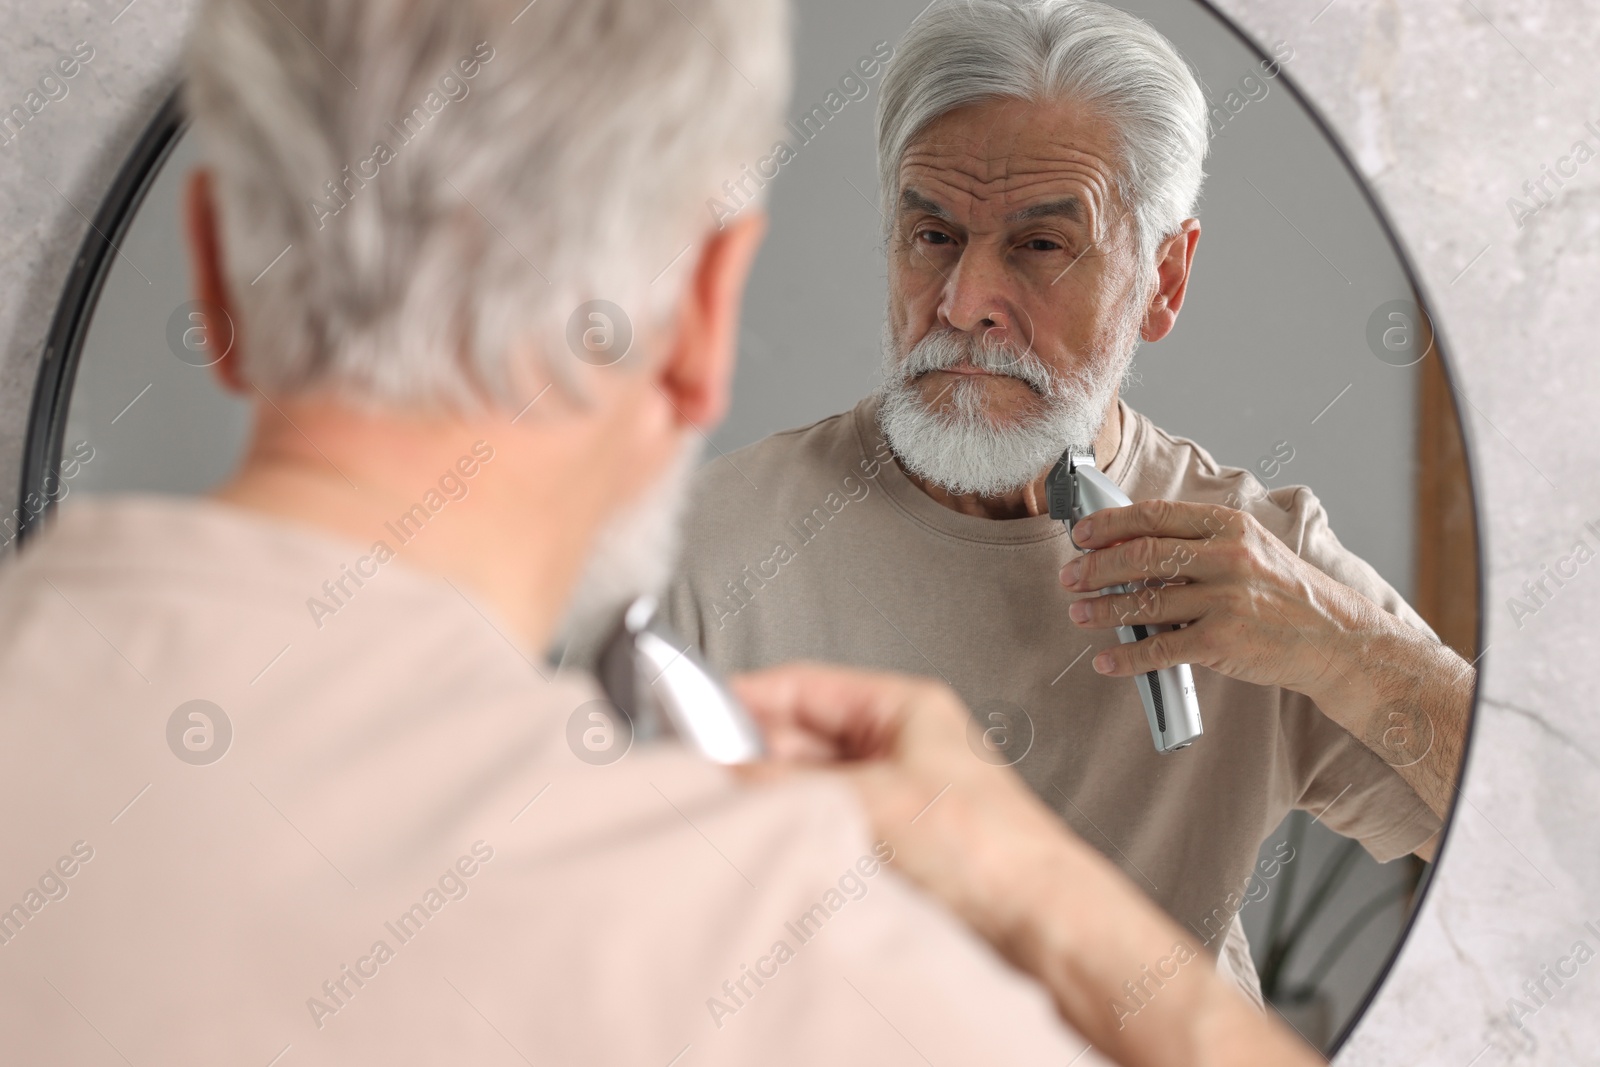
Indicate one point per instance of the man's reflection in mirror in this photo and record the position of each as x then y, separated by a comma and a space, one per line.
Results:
1040, 167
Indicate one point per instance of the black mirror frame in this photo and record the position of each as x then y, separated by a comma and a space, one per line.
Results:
58, 369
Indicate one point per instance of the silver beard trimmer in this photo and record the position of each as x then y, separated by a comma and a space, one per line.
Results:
665, 690
1077, 489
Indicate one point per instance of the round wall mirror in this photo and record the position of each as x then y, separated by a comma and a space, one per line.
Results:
1304, 355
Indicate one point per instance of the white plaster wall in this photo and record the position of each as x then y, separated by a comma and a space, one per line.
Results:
1448, 107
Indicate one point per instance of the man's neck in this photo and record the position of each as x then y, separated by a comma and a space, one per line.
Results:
1031, 499
512, 534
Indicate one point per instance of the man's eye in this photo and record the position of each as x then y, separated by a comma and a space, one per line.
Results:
934, 237
1043, 244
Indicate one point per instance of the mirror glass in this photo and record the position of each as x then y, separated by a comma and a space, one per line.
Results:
1301, 356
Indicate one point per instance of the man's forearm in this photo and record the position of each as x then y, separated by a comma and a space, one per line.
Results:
1130, 980
1408, 698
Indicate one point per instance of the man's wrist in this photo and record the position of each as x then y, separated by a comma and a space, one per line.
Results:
1358, 679
1389, 674
1030, 928
1023, 872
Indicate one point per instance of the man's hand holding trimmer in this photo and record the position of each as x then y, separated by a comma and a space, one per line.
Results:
1250, 608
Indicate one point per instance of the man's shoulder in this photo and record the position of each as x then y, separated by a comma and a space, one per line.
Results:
1168, 466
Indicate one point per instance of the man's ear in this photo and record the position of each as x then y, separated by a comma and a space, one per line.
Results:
697, 375
220, 323
1174, 259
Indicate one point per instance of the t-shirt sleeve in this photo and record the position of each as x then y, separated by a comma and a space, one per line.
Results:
1321, 547
1350, 787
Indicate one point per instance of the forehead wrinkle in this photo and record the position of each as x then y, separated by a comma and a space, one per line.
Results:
1009, 177
981, 150
1011, 191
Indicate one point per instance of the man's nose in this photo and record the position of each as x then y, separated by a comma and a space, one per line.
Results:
977, 298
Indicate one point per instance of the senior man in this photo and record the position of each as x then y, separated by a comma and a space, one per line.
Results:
1040, 162
286, 781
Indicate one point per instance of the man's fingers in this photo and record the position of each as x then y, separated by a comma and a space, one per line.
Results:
1168, 604
1151, 654
1155, 518
792, 743
857, 713
1141, 559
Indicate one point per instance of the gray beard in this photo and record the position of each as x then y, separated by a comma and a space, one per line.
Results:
634, 553
956, 444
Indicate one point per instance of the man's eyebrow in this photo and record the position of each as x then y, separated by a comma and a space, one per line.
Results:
1070, 208
911, 200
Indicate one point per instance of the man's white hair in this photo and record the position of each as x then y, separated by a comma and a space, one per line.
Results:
442, 226
964, 52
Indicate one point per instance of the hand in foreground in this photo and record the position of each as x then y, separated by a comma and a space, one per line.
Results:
973, 835
963, 829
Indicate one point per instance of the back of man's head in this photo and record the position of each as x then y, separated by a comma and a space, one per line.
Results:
447, 180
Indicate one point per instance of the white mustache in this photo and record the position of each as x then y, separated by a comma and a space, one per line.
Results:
946, 347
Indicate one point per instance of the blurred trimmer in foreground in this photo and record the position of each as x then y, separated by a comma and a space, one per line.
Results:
664, 689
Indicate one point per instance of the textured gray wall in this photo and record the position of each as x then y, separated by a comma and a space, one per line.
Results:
1449, 109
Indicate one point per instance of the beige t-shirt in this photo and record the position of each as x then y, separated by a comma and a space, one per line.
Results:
398, 858
814, 544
